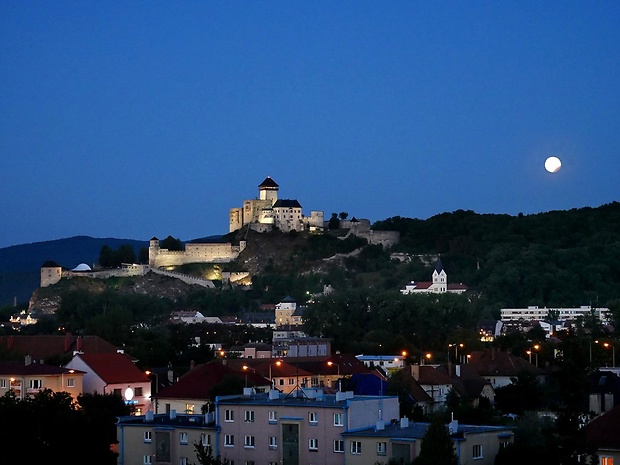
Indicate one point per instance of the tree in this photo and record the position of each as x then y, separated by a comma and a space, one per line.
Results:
343, 215
171, 243
437, 447
334, 222
204, 454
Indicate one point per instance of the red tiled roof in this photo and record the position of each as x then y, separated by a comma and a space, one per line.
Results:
497, 363
20, 368
115, 368
44, 347
604, 431
430, 375
199, 382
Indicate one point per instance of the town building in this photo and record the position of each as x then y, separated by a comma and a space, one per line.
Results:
604, 433
438, 285
27, 378
114, 373
555, 313
401, 442
303, 428
500, 368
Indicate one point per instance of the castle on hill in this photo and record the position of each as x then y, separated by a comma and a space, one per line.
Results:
268, 211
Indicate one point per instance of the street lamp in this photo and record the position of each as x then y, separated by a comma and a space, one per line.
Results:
596, 342
330, 363
613, 352
456, 350
278, 363
149, 373
246, 368
428, 356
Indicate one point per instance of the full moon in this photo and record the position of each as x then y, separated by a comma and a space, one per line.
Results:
553, 164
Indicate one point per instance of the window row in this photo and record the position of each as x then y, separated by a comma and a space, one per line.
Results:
205, 439
249, 417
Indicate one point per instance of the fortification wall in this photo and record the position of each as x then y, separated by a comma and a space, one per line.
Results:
188, 279
195, 253
384, 238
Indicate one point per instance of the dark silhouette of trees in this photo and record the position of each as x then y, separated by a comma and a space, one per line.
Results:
109, 258
171, 243
437, 447
50, 424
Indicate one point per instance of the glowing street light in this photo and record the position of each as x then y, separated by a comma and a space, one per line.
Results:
149, 373
613, 352
246, 368
456, 350
278, 363
330, 363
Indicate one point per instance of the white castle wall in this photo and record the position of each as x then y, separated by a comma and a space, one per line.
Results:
194, 253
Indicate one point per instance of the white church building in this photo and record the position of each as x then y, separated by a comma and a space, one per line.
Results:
439, 284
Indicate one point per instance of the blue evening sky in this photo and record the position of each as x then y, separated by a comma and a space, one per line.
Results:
134, 119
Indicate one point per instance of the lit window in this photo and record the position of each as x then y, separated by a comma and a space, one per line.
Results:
183, 438
229, 415
338, 419
148, 436
189, 408
35, 384
248, 441
356, 447
338, 445
273, 442
229, 440
313, 444
607, 460
312, 418
249, 416
477, 451
381, 448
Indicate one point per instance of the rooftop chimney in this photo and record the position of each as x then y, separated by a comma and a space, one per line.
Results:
415, 371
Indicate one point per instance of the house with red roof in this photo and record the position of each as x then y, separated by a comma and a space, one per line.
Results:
45, 348
28, 377
194, 389
500, 367
114, 373
604, 433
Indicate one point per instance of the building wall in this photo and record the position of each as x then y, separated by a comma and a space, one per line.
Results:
194, 253
21, 384
50, 275
165, 442
355, 414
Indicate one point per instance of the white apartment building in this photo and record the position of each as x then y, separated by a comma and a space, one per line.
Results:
552, 313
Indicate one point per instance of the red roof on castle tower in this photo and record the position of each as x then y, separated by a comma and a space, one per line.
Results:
268, 183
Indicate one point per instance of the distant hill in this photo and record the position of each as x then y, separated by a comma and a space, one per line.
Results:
20, 264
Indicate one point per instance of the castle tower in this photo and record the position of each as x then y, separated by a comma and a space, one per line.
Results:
268, 190
51, 273
153, 251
